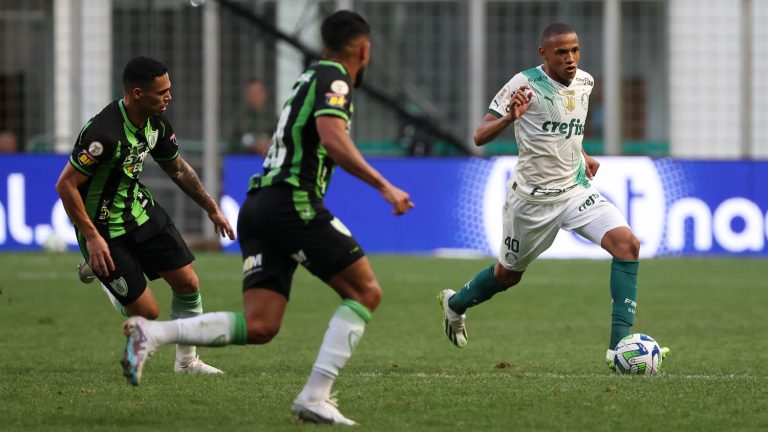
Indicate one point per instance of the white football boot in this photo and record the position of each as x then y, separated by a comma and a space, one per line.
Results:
320, 412
453, 323
139, 346
85, 273
195, 366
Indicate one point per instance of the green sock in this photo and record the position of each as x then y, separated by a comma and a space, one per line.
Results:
476, 291
186, 305
624, 298
239, 329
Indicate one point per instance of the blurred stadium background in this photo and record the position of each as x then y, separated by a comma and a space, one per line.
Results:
677, 78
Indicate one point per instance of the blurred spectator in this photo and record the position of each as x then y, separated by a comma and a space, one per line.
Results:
252, 130
8, 142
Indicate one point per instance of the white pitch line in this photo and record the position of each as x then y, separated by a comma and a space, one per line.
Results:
555, 375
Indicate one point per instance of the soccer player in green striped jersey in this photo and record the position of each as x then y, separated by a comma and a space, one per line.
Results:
283, 222
123, 232
550, 188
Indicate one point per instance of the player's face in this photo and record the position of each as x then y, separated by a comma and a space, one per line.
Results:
155, 97
561, 57
365, 57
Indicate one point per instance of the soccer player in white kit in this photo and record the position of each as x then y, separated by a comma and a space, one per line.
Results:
550, 188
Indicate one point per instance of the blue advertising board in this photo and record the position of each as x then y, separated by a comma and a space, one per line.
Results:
675, 207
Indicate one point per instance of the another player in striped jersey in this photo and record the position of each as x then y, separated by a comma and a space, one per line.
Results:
283, 222
123, 232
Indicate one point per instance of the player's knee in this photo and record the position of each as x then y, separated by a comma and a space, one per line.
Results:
634, 247
506, 278
261, 332
629, 248
187, 285
150, 312
372, 296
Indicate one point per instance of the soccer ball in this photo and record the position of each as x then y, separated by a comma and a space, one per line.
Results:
637, 354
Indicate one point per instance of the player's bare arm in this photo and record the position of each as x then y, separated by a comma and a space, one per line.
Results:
592, 165
334, 137
98, 251
492, 126
187, 180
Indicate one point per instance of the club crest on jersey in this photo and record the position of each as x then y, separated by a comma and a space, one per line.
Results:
569, 99
120, 286
335, 100
152, 139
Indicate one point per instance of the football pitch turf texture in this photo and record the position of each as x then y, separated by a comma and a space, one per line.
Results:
535, 359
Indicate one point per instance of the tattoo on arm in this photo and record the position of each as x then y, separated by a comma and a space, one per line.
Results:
186, 179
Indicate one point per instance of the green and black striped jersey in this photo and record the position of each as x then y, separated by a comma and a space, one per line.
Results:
111, 151
296, 157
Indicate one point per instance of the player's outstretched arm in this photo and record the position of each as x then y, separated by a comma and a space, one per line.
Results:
67, 187
334, 137
187, 180
492, 126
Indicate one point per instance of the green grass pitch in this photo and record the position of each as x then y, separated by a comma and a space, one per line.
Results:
534, 360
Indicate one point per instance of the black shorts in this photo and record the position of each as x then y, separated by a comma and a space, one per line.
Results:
280, 227
154, 247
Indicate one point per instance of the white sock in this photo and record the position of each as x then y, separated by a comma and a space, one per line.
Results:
186, 306
115, 303
344, 331
210, 329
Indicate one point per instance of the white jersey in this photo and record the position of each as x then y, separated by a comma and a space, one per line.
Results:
549, 134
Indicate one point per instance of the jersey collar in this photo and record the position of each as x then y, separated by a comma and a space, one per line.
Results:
127, 120
335, 64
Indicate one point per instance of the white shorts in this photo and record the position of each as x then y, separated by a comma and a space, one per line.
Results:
531, 227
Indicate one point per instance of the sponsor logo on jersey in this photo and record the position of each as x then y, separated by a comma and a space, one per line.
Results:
134, 162
584, 101
568, 129
120, 286
95, 148
252, 264
300, 257
585, 81
569, 99
340, 87
588, 203
335, 100
85, 158
104, 211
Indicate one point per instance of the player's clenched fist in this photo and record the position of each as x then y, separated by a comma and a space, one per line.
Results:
400, 200
518, 104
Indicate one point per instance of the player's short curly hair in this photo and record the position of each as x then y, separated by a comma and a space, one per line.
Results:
341, 28
140, 71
